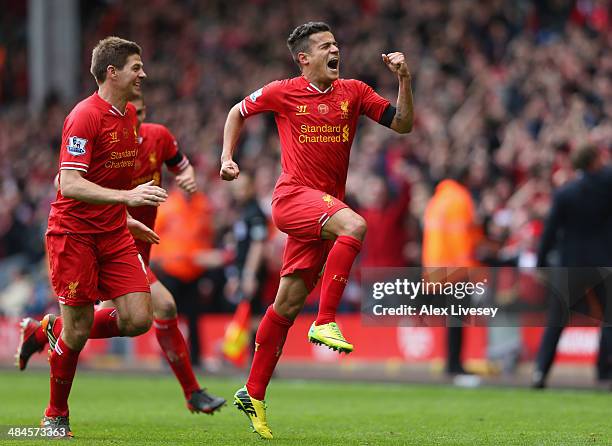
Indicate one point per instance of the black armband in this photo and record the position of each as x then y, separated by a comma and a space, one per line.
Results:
387, 117
177, 163
175, 159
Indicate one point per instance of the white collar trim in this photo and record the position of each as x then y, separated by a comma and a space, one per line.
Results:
312, 87
115, 109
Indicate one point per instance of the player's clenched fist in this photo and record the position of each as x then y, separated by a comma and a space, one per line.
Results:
145, 195
396, 63
229, 170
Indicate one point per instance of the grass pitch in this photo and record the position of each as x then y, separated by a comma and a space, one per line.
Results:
128, 410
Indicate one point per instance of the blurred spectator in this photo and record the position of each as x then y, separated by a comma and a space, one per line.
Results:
385, 215
15, 298
246, 277
451, 236
249, 233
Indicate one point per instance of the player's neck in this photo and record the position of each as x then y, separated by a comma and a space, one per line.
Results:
112, 97
321, 84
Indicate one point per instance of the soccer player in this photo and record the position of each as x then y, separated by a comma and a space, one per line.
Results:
92, 254
316, 114
157, 146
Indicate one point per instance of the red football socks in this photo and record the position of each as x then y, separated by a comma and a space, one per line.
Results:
269, 342
63, 363
57, 327
337, 270
175, 351
104, 325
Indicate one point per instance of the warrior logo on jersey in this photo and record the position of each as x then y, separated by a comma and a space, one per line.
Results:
253, 97
302, 110
76, 146
113, 137
344, 109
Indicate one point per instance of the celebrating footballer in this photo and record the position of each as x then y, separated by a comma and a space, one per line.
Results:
316, 114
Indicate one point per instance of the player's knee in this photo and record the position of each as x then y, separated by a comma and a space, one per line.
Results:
137, 325
142, 324
165, 309
289, 309
355, 226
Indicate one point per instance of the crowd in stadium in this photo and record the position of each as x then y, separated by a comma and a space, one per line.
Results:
506, 89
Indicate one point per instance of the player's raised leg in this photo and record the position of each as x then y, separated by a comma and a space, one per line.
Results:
269, 341
36, 334
175, 351
63, 362
348, 229
133, 319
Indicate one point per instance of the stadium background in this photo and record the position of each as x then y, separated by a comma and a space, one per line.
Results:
508, 88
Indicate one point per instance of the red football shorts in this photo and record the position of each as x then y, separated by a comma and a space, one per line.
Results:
301, 212
144, 249
151, 277
89, 267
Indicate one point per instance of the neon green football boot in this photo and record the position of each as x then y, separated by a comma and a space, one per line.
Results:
255, 410
330, 336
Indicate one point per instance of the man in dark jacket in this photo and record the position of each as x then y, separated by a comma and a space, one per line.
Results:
580, 228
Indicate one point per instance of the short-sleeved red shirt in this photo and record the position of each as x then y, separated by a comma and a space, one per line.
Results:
100, 141
156, 146
316, 128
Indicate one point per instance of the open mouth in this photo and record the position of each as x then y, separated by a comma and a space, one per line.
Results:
333, 63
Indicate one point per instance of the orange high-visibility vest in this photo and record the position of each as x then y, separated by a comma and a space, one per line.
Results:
450, 232
184, 228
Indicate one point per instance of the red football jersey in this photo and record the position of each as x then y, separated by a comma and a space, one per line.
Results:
102, 142
157, 145
316, 128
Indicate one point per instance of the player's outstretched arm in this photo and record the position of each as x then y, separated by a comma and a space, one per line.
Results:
231, 133
402, 121
73, 185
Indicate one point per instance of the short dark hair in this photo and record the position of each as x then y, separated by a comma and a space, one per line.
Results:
584, 157
111, 51
299, 39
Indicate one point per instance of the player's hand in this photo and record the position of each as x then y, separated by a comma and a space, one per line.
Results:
145, 194
396, 63
140, 231
229, 170
186, 180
